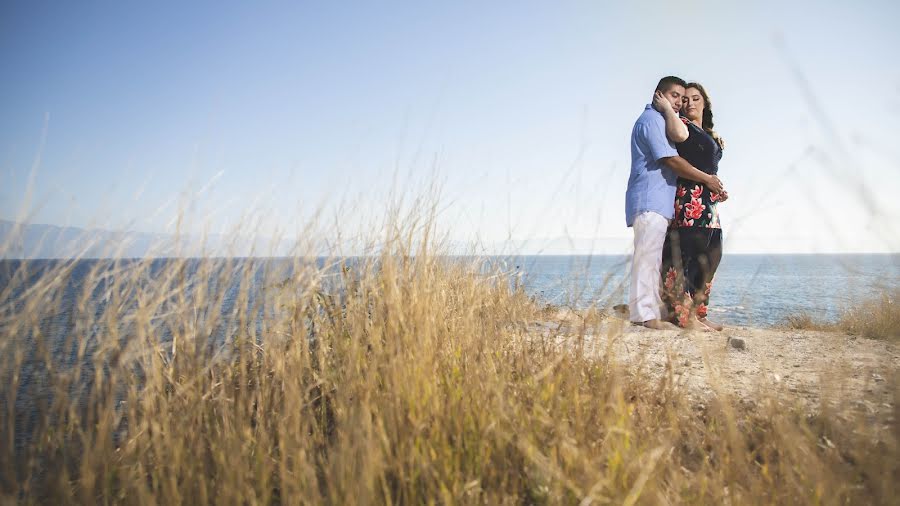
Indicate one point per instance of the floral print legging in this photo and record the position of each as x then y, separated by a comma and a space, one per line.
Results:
691, 256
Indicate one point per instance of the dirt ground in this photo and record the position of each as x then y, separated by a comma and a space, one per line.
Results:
795, 366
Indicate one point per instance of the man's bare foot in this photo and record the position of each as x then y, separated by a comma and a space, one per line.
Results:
713, 325
659, 325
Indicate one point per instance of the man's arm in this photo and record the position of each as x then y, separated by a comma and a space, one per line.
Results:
676, 130
681, 167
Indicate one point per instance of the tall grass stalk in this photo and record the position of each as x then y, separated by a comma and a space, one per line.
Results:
403, 377
878, 317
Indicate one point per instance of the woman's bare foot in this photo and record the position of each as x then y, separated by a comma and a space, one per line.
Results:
659, 325
713, 325
695, 324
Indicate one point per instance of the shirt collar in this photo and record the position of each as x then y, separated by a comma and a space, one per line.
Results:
649, 107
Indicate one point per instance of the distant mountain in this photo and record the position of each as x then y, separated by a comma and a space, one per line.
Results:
51, 241
566, 246
32, 241
544, 246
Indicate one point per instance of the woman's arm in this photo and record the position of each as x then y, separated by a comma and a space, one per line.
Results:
676, 130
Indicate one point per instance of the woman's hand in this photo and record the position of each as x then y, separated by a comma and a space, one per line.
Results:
676, 130
723, 196
661, 104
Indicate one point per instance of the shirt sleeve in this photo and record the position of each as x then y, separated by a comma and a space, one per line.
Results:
654, 135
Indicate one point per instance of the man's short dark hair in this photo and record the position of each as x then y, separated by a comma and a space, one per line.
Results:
667, 82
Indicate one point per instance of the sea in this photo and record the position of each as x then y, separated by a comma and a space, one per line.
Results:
748, 290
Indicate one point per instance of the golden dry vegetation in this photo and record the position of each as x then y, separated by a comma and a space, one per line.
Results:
877, 318
404, 377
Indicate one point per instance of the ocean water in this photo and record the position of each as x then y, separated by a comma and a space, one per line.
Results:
750, 290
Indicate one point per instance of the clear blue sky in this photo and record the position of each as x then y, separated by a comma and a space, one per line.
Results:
522, 110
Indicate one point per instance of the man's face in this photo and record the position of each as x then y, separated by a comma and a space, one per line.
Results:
675, 96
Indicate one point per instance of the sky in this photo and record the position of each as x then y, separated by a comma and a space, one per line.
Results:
128, 115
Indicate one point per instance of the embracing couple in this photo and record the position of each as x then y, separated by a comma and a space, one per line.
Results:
671, 204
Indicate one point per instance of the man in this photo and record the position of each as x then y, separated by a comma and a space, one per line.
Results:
650, 198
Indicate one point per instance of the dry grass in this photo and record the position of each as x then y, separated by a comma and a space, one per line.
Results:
878, 318
803, 321
406, 377
875, 318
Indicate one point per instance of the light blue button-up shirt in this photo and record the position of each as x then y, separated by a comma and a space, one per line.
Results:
651, 185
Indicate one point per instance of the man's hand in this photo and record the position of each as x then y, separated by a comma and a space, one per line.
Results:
661, 104
714, 184
682, 168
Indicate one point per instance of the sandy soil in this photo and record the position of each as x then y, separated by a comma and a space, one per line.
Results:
796, 366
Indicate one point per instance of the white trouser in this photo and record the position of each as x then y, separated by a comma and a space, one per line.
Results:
644, 301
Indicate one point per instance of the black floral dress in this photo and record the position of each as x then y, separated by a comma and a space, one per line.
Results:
693, 247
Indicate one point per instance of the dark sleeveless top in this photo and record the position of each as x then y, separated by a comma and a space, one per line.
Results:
695, 205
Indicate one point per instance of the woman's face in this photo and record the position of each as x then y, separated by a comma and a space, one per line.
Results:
693, 104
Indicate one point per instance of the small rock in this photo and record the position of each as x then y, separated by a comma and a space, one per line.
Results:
737, 343
687, 363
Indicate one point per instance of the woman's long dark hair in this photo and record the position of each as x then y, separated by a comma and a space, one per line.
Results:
707, 121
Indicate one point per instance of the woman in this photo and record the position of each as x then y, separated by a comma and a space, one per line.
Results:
693, 246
